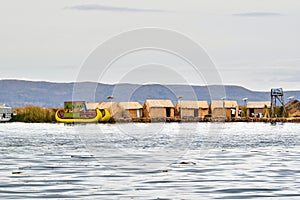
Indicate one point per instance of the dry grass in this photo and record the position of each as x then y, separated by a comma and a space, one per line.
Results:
34, 114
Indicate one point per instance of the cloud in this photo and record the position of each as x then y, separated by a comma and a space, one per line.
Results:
258, 14
97, 7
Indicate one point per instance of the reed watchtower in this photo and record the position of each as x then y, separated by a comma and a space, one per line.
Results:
277, 94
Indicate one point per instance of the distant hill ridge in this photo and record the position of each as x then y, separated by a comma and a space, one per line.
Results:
18, 93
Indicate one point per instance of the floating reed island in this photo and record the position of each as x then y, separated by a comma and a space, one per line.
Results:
160, 111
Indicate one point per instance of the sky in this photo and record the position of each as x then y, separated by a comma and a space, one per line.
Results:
252, 43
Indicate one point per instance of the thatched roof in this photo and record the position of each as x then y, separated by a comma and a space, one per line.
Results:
292, 106
113, 107
92, 105
258, 104
130, 105
107, 105
159, 103
100, 105
192, 104
219, 104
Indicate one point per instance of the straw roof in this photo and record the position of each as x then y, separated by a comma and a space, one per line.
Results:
107, 105
100, 105
293, 106
227, 104
130, 105
92, 105
193, 104
159, 103
258, 104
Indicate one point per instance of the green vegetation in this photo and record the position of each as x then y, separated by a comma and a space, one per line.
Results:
279, 112
34, 114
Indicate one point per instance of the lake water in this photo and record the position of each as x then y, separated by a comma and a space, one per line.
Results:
150, 161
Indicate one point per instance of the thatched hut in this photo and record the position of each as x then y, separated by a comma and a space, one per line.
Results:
293, 108
224, 109
158, 110
132, 110
193, 110
258, 109
114, 109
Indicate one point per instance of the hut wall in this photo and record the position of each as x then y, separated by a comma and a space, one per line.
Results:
172, 115
133, 112
189, 112
228, 113
185, 112
157, 113
218, 112
203, 112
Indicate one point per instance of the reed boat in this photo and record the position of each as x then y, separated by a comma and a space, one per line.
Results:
76, 112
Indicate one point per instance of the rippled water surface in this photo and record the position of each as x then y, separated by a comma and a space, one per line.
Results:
150, 161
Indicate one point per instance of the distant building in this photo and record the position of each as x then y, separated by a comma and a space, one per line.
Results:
158, 110
193, 110
224, 109
6, 113
258, 109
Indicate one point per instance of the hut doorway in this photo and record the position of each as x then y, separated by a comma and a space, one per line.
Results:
138, 114
251, 112
196, 112
233, 112
168, 112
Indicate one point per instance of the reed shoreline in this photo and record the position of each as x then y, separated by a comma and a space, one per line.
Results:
34, 114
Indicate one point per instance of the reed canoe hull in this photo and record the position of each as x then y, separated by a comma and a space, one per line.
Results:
95, 119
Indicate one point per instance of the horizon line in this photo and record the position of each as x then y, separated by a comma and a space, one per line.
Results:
126, 83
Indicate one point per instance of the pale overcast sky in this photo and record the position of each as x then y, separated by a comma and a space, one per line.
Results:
253, 43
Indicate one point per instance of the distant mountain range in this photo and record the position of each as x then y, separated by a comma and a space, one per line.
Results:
18, 93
